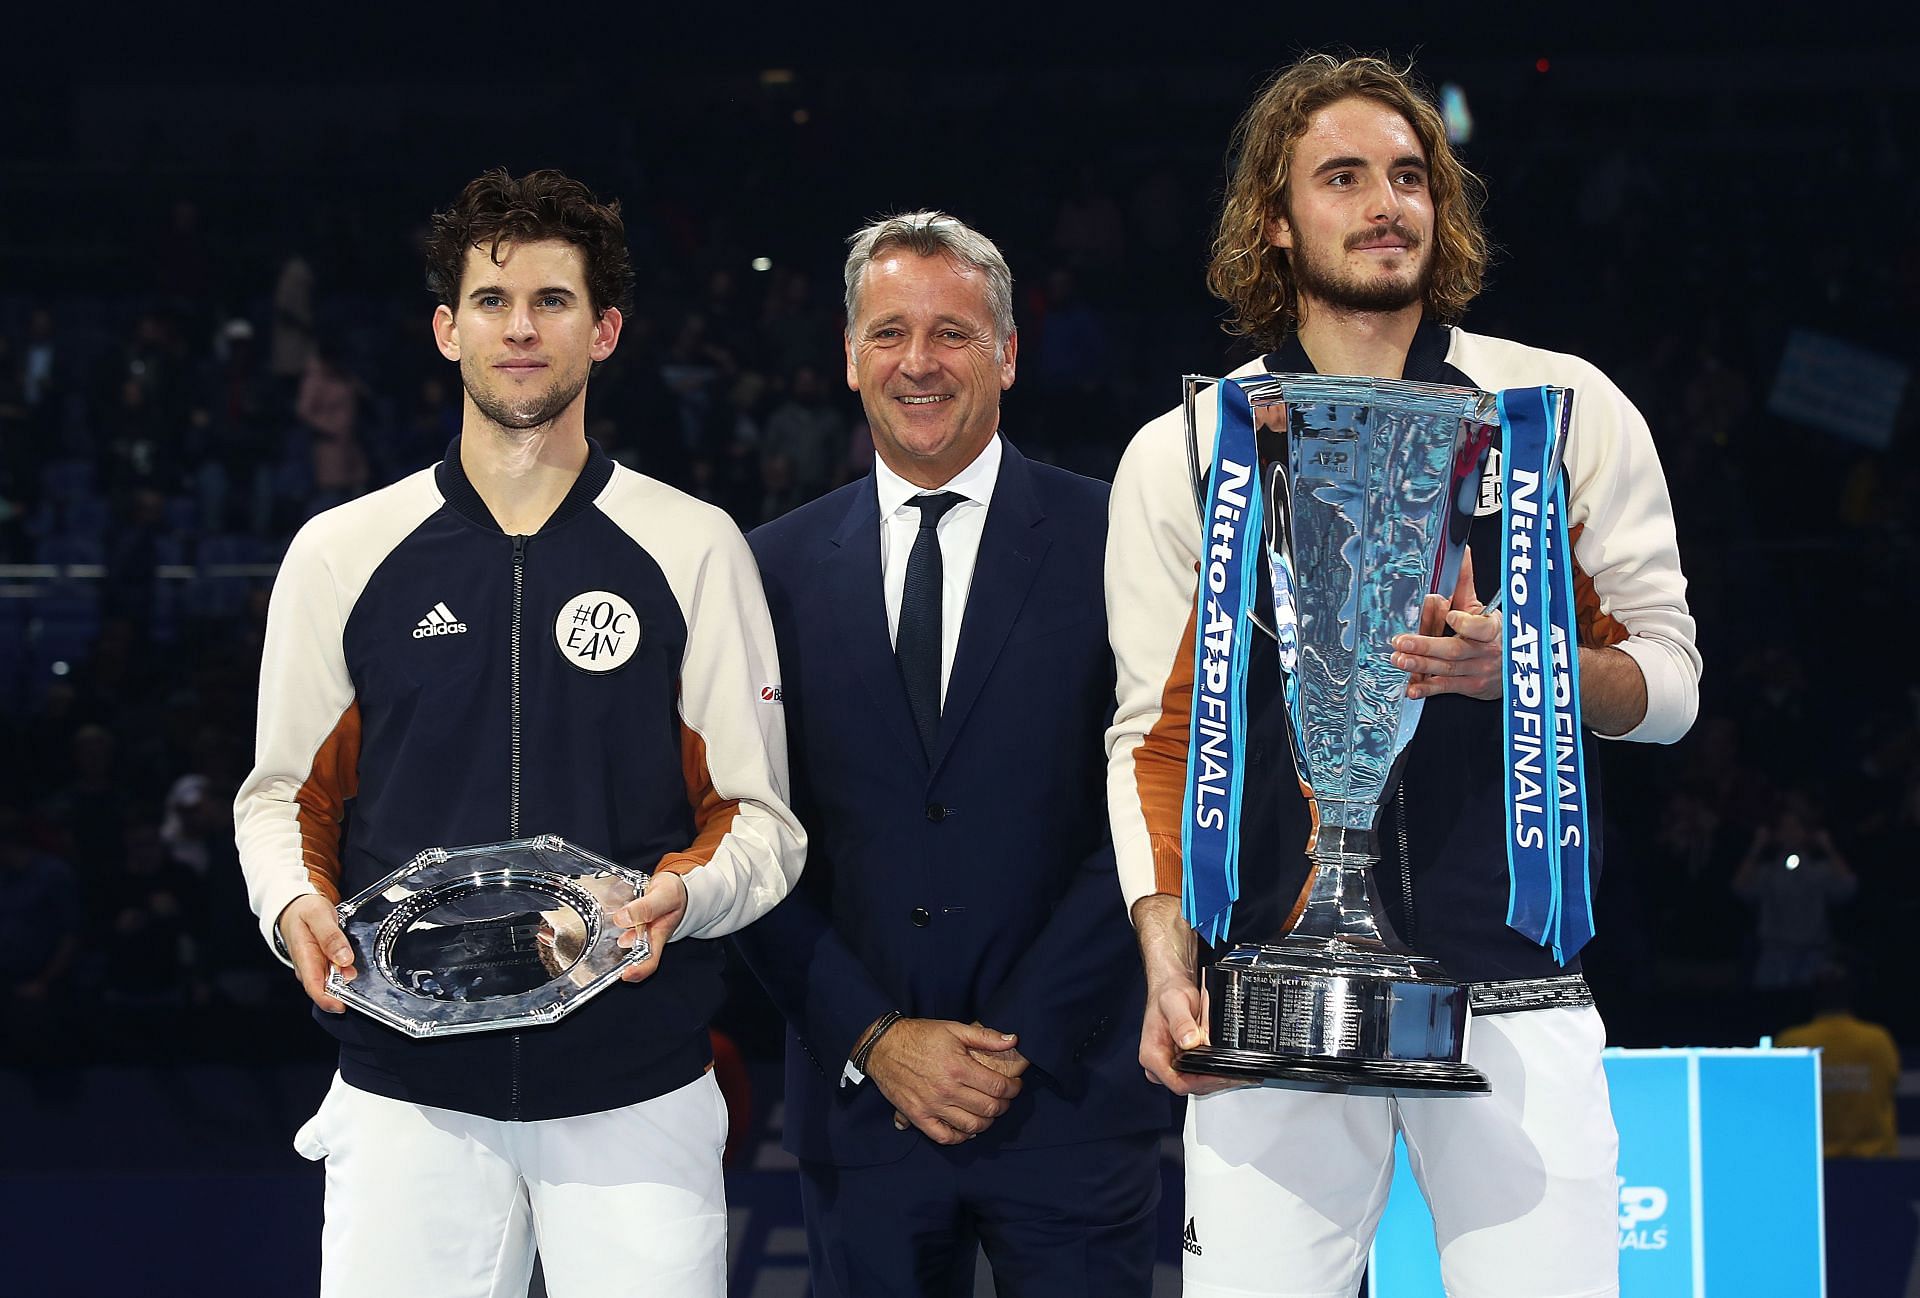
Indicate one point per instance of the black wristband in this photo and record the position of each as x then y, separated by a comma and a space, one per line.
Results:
865, 1051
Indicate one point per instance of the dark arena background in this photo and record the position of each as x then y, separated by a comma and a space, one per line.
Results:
213, 324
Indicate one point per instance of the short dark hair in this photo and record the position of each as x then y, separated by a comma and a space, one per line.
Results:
496, 209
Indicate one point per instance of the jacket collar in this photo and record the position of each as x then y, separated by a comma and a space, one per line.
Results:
460, 493
1426, 355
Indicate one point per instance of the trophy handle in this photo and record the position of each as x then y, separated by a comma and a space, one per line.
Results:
1556, 457
1469, 471
1196, 478
1277, 533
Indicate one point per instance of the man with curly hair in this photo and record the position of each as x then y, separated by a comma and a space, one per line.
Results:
1349, 243
523, 639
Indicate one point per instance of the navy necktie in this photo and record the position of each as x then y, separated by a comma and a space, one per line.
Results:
916, 644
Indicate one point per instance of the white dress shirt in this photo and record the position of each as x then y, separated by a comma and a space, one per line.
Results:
959, 532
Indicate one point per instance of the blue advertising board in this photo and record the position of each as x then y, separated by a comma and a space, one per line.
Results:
1720, 1181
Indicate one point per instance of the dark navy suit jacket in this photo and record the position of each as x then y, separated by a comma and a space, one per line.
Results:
978, 884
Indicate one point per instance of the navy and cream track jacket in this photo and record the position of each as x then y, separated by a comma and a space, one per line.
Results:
430, 681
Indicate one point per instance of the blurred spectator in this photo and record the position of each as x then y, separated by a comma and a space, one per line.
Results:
292, 322
1165, 218
724, 315
191, 823
13, 393
182, 264
149, 902
1089, 233
431, 425
234, 451
41, 369
155, 358
807, 432
91, 811
1793, 876
114, 681
1688, 867
20, 454
794, 329
1859, 1072
779, 491
1072, 346
329, 406
132, 555
40, 915
133, 439
197, 833
1718, 399
693, 370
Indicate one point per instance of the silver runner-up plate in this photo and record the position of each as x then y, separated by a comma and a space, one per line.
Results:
500, 935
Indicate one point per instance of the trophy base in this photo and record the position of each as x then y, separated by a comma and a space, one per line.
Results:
1335, 1073
1339, 1013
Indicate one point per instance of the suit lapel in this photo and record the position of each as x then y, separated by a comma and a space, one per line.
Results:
1012, 546
850, 584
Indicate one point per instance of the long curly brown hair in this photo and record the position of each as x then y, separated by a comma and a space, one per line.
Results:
1252, 276
496, 209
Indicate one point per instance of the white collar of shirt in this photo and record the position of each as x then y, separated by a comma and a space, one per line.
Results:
975, 482
959, 532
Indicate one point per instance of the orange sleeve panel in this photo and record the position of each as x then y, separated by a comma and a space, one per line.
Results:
1596, 629
1160, 765
322, 801
712, 814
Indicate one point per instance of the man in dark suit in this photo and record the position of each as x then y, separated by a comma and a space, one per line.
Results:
956, 967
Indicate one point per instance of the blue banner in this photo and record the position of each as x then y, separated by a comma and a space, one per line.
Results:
1533, 876
1549, 894
1216, 743
1574, 917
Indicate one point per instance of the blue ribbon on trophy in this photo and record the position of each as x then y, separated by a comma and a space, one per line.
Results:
1550, 896
1210, 825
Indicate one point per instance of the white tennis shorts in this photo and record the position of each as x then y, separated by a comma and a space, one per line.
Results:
431, 1203
1285, 1187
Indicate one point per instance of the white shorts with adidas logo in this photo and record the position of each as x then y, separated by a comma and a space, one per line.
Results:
1285, 1187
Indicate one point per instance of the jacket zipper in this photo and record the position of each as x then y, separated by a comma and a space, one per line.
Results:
1406, 865
513, 786
513, 1094
513, 669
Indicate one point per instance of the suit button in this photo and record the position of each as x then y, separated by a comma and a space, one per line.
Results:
920, 917
936, 811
